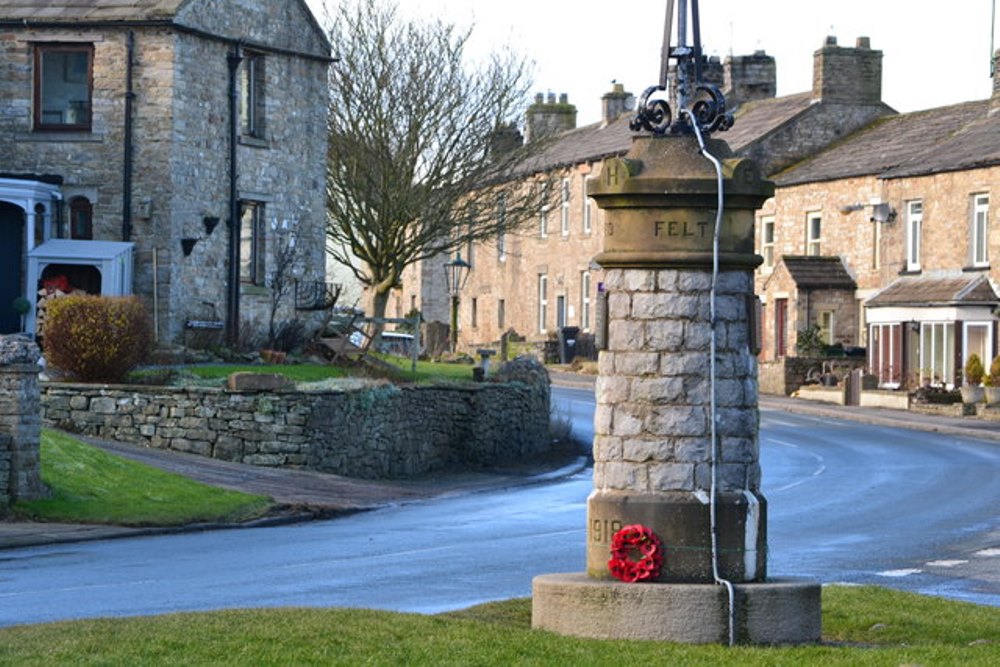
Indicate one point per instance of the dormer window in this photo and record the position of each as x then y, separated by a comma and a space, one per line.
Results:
63, 87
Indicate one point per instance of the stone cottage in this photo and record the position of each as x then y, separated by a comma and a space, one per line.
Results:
542, 278
167, 148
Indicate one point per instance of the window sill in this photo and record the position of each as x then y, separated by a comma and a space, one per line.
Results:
61, 137
976, 268
253, 142
247, 289
910, 272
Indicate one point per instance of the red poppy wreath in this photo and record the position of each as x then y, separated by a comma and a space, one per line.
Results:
636, 554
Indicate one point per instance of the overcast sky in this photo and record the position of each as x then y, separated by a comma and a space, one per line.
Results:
934, 54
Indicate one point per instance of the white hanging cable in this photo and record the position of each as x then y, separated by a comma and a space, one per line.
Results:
712, 378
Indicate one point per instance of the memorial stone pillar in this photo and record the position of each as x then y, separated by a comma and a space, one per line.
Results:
653, 446
676, 426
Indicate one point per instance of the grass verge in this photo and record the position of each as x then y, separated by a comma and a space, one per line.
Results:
91, 486
907, 629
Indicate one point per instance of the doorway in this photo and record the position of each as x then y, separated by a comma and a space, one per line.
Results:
11, 265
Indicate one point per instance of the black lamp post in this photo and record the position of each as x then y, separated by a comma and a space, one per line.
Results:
456, 273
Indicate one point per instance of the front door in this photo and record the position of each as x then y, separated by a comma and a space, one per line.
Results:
11, 263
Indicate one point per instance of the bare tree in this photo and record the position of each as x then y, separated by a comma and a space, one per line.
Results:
420, 157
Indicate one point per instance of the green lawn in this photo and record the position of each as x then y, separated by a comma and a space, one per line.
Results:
296, 372
91, 486
862, 626
428, 371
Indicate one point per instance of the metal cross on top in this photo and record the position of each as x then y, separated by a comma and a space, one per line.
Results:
697, 101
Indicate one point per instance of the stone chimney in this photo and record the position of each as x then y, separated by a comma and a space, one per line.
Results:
749, 78
547, 117
616, 102
505, 139
711, 72
847, 76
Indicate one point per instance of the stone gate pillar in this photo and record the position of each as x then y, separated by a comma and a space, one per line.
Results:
20, 420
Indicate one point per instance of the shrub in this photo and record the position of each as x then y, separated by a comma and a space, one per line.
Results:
97, 338
974, 370
993, 378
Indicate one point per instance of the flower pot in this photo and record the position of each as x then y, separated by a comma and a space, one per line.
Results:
992, 395
972, 394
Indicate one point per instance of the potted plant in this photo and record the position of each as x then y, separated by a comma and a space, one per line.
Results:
992, 382
972, 391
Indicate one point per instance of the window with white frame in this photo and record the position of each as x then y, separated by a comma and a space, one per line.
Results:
585, 300
876, 244
767, 241
980, 230
501, 247
914, 225
543, 301
63, 92
252, 242
252, 101
937, 352
825, 321
543, 213
564, 209
588, 212
814, 233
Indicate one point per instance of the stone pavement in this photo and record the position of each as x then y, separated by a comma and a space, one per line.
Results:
306, 495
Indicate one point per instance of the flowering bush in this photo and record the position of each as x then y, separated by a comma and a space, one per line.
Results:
636, 554
97, 338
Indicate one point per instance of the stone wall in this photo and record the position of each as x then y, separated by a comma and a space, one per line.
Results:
20, 473
372, 432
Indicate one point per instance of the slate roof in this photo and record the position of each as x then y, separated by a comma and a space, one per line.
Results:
598, 141
757, 119
89, 10
811, 272
922, 142
927, 291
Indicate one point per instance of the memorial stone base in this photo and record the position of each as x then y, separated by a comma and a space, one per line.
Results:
779, 611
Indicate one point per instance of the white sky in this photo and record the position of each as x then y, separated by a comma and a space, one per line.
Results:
934, 54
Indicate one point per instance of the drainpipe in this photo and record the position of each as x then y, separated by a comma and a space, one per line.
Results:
127, 162
233, 289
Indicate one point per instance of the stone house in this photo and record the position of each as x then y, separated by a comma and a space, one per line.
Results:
542, 278
166, 148
903, 208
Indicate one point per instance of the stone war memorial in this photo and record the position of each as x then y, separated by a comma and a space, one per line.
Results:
676, 545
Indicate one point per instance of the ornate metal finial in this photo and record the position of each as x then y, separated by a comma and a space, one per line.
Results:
697, 101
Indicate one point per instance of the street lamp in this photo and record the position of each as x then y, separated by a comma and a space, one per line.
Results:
456, 273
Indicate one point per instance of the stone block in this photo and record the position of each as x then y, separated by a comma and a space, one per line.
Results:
777, 611
672, 477
259, 382
103, 405
678, 420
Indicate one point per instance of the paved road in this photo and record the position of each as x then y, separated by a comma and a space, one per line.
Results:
848, 502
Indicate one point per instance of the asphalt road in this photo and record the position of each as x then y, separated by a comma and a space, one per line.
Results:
848, 503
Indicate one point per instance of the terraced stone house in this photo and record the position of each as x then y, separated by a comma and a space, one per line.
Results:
887, 240
164, 148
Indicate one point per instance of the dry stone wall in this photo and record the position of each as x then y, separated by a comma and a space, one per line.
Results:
373, 432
